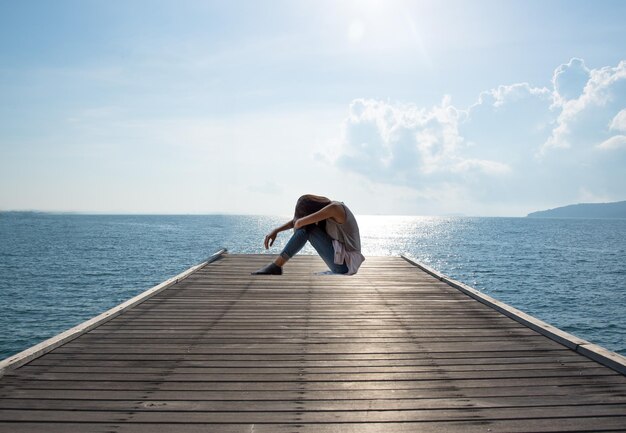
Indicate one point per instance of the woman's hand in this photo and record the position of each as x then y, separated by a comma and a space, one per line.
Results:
269, 239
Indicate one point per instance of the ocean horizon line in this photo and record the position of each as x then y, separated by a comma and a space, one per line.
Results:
235, 214
125, 213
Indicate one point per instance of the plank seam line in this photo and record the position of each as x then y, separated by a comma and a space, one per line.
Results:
64, 337
610, 359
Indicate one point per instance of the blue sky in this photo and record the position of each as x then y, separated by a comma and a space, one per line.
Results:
394, 107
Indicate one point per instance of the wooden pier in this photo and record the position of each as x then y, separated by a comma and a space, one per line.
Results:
391, 349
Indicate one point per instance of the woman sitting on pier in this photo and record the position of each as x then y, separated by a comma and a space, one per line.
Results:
329, 226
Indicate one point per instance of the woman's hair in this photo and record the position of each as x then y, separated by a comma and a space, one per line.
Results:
309, 203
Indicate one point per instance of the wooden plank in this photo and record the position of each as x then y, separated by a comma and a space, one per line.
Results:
558, 354
610, 424
297, 375
602, 381
156, 414
269, 368
308, 404
576, 393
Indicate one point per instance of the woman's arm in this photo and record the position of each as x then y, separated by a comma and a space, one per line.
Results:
288, 225
334, 210
271, 237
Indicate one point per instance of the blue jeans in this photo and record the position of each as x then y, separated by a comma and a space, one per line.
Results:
320, 240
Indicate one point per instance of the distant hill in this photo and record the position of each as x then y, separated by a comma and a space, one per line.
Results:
584, 210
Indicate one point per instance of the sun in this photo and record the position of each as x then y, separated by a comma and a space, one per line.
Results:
392, 26
362, 15
356, 31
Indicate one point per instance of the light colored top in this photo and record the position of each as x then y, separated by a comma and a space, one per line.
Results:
346, 241
346, 233
352, 259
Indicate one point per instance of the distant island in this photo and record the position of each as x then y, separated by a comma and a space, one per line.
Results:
584, 210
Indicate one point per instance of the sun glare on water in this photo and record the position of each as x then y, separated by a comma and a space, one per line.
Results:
384, 235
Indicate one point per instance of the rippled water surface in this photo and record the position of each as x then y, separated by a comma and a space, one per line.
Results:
59, 270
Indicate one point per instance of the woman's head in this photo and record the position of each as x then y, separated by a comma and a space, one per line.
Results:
308, 204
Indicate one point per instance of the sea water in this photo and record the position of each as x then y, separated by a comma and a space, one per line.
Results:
57, 270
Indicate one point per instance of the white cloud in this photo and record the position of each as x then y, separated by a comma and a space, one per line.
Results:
569, 81
581, 118
613, 143
510, 94
487, 153
487, 167
619, 122
404, 144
